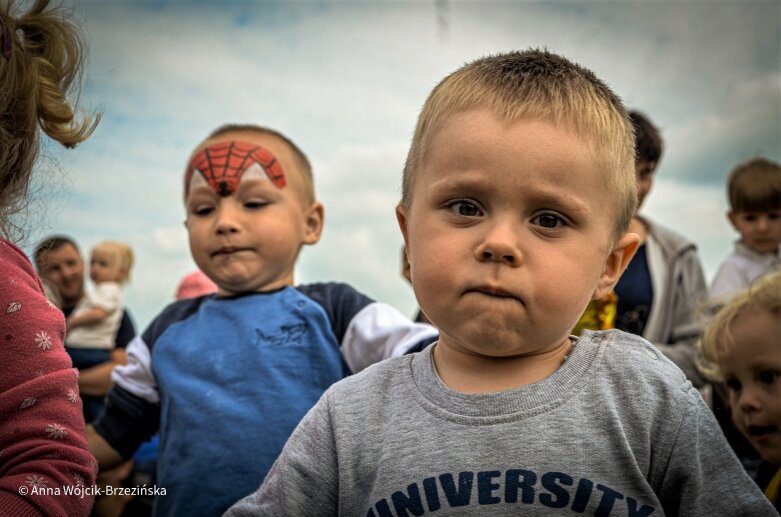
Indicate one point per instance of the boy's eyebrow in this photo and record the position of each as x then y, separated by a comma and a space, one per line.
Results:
541, 194
202, 191
558, 198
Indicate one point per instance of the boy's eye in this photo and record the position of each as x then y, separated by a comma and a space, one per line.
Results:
465, 208
733, 385
255, 204
203, 210
548, 220
768, 376
774, 215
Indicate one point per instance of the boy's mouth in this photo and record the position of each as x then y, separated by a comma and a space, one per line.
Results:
496, 292
228, 250
761, 431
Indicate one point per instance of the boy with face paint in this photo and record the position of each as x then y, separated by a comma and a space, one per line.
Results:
226, 377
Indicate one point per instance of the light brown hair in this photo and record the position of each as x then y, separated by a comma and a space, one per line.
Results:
763, 295
536, 84
755, 186
121, 255
40, 60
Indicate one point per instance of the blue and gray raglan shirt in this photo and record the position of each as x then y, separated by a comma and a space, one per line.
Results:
226, 380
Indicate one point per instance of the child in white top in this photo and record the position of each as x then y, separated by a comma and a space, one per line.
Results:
94, 322
754, 189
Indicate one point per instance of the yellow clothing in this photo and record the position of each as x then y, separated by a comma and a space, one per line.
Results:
772, 488
599, 314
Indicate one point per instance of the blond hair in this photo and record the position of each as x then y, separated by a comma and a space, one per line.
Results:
121, 255
763, 295
40, 60
536, 84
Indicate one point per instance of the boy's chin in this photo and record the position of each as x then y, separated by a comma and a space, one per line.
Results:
771, 455
226, 291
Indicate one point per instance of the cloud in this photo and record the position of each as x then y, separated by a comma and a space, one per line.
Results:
346, 80
697, 213
170, 239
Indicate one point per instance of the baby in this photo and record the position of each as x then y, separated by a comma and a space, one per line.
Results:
94, 322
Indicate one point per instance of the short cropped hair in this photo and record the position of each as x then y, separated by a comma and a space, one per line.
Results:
51, 243
763, 295
755, 186
304, 165
536, 84
121, 254
648, 140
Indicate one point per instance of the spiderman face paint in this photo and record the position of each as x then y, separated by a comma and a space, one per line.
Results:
224, 164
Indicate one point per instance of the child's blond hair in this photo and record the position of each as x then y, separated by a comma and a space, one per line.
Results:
536, 84
763, 295
121, 254
755, 186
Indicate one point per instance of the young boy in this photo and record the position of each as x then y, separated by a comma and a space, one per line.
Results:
742, 349
517, 192
226, 377
754, 190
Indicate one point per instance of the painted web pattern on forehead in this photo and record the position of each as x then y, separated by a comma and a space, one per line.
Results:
223, 164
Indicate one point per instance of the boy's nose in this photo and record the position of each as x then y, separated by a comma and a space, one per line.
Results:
226, 225
226, 219
499, 247
748, 401
763, 224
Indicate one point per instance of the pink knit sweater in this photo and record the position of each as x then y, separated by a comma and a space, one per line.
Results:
43, 449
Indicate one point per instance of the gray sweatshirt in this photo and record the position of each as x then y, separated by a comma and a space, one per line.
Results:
616, 431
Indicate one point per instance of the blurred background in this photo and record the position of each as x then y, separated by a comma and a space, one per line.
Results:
346, 80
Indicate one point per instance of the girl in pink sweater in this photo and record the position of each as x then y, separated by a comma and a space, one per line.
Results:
45, 465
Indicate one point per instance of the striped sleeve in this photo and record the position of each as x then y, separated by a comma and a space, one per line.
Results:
368, 331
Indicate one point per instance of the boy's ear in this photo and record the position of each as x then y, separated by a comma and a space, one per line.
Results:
401, 217
616, 263
731, 218
313, 218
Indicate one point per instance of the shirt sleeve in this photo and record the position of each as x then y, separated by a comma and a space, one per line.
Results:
691, 292
132, 412
126, 331
703, 476
380, 331
42, 440
368, 331
728, 280
304, 479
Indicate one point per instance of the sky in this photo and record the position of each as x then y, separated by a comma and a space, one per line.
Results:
346, 80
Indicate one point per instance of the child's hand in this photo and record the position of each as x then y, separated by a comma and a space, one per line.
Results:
88, 317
